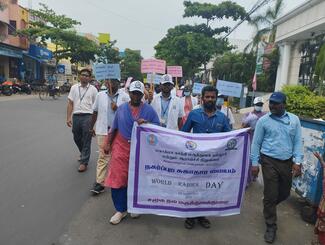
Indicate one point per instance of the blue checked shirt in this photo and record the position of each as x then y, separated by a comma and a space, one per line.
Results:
277, 137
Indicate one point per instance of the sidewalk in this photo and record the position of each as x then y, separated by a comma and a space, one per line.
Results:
91, 226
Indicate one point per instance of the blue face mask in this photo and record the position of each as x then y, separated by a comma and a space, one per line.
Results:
220, 101
187, 93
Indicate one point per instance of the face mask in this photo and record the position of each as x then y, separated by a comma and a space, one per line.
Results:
258, 108
187, 93
220, 101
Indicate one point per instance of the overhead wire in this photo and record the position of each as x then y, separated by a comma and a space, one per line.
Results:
255, 7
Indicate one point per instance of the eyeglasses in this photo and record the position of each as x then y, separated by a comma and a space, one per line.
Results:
84, 75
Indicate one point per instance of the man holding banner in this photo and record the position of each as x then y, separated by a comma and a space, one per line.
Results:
119, 146
168, 107
205, 119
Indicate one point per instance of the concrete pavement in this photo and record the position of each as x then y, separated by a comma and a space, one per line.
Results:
91, 226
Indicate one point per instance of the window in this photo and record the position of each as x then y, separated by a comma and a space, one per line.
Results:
12, 27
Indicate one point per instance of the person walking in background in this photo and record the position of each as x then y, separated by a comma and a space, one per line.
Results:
119, 146
277, 146
168, 107
249, 121
79, 113
188, 102
225, 109
104, 108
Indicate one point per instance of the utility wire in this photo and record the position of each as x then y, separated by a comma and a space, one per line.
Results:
256, 6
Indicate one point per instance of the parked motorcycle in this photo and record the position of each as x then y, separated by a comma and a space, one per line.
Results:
65, 88
6, 89
21, 88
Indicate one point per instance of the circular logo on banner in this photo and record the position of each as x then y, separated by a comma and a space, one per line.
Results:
152, 139
191, 145
231, 144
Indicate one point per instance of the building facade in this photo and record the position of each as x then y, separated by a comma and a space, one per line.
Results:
296, 28
13, 17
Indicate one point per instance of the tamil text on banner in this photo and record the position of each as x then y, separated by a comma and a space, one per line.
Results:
229, 88
107, 71
197, 88
175, 71
153, 66
180, 174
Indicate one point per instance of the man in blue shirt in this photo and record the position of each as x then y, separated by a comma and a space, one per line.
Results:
277, 146
205, 119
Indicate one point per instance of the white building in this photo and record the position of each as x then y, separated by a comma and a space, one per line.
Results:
294, 28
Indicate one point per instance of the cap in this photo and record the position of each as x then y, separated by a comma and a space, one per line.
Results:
166, 79
278, 97
258, 100
136, 86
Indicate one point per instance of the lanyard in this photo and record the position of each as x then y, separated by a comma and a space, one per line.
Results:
82, 97
112, 97
164, 110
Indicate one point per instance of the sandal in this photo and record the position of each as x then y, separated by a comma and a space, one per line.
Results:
189, 223
204, 222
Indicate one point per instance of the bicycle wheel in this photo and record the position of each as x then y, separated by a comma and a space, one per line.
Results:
43, 94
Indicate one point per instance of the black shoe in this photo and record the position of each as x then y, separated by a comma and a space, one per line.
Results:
270, 234
98, 188
189, 223
204, 222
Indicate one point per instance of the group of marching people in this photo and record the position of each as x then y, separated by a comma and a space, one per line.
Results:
109, 115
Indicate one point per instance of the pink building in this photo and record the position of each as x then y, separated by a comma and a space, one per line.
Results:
13, 17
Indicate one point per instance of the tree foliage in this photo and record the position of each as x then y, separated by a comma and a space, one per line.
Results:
131, 64
320, 69
108, 53
59, 29
237, 67
194, 46
264, 27
304, 103
211, 11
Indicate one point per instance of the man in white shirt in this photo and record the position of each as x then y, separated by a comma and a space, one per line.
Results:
105, 106
79, 112
169, 108
225, 110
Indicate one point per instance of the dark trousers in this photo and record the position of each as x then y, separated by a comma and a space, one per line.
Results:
82, 136
277, 176
119, 197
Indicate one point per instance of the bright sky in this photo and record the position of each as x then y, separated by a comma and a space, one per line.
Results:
139, 24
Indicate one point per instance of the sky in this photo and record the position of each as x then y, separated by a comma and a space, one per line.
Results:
140, 24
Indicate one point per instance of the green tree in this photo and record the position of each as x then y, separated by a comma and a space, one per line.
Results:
194, 46
108, 54
131, 64
265, 29
59, 29
237, 67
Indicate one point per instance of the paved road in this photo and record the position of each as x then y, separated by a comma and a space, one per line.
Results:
40, 189
45, 201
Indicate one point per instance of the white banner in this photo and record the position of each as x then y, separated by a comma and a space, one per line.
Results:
180, 174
